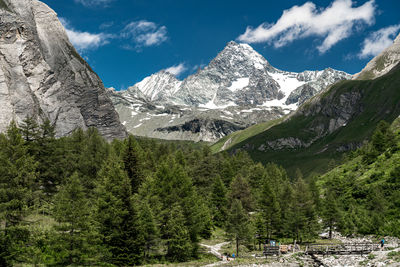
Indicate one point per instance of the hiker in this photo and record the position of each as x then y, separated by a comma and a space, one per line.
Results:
382, 243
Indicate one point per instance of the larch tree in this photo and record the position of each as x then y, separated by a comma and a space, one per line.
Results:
76, 241
116, 214
238, 225
17, 177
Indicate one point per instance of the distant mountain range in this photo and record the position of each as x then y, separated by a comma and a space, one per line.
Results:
237, 89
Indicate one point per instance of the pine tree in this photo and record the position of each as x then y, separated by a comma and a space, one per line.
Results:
238, 223
219, 202
17, 177
148, 230
287, 209
117, 215
91, 156
172, 186
259, 226
76, 241
240, 189
30, 132
204, 171
48, 156
132, 159
178, 236
303, 216
269, 207
331, 214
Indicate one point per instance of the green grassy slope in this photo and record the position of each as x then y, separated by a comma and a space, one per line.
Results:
380, 100
239, 136
368, 190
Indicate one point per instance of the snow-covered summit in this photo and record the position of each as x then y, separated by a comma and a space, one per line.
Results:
235, 54
238, 88
159, 86
238, 76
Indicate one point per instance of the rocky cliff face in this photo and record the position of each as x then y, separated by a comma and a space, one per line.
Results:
382, 63
43, 76
237, 89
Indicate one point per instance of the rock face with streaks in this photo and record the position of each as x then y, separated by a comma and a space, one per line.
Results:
43, 76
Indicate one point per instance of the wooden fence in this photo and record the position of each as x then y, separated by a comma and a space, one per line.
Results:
342, 249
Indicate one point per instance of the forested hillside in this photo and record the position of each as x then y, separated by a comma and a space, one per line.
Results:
363, 193
80, 200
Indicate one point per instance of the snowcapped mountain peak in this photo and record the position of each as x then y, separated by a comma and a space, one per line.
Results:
159, 85
237, 76
235, 54
238, 88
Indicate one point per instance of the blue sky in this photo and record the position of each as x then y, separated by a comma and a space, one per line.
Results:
126, 40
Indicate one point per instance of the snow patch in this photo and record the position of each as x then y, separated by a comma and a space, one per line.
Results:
225, 117
287, 81
239, 84
137, 126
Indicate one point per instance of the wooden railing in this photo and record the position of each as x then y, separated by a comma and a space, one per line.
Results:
342, 249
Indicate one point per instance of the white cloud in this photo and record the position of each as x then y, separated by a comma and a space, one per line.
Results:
106, 25
333, 23
177, 69
94, 3
377, 41
145, 33
84, 40
198, 66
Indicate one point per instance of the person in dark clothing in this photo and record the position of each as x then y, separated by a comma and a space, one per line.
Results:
382, 243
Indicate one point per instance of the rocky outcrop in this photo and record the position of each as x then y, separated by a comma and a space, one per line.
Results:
43, 76
382, 63
301, 94
206, 129
317, 81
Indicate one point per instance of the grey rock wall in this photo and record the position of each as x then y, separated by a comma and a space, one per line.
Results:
42, 75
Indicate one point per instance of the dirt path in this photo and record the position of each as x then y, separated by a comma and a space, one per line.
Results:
215, 251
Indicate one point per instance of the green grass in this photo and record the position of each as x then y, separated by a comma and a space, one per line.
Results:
396, 125
379, 66
178, 143
380, 100
218, 236
367, 175
394, 255
242, 135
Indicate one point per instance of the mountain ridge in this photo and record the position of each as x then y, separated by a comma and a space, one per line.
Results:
382, 63
236, 83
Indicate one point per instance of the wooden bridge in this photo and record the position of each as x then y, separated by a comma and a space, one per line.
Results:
341, 249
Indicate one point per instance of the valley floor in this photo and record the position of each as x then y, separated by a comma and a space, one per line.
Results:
390, 256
